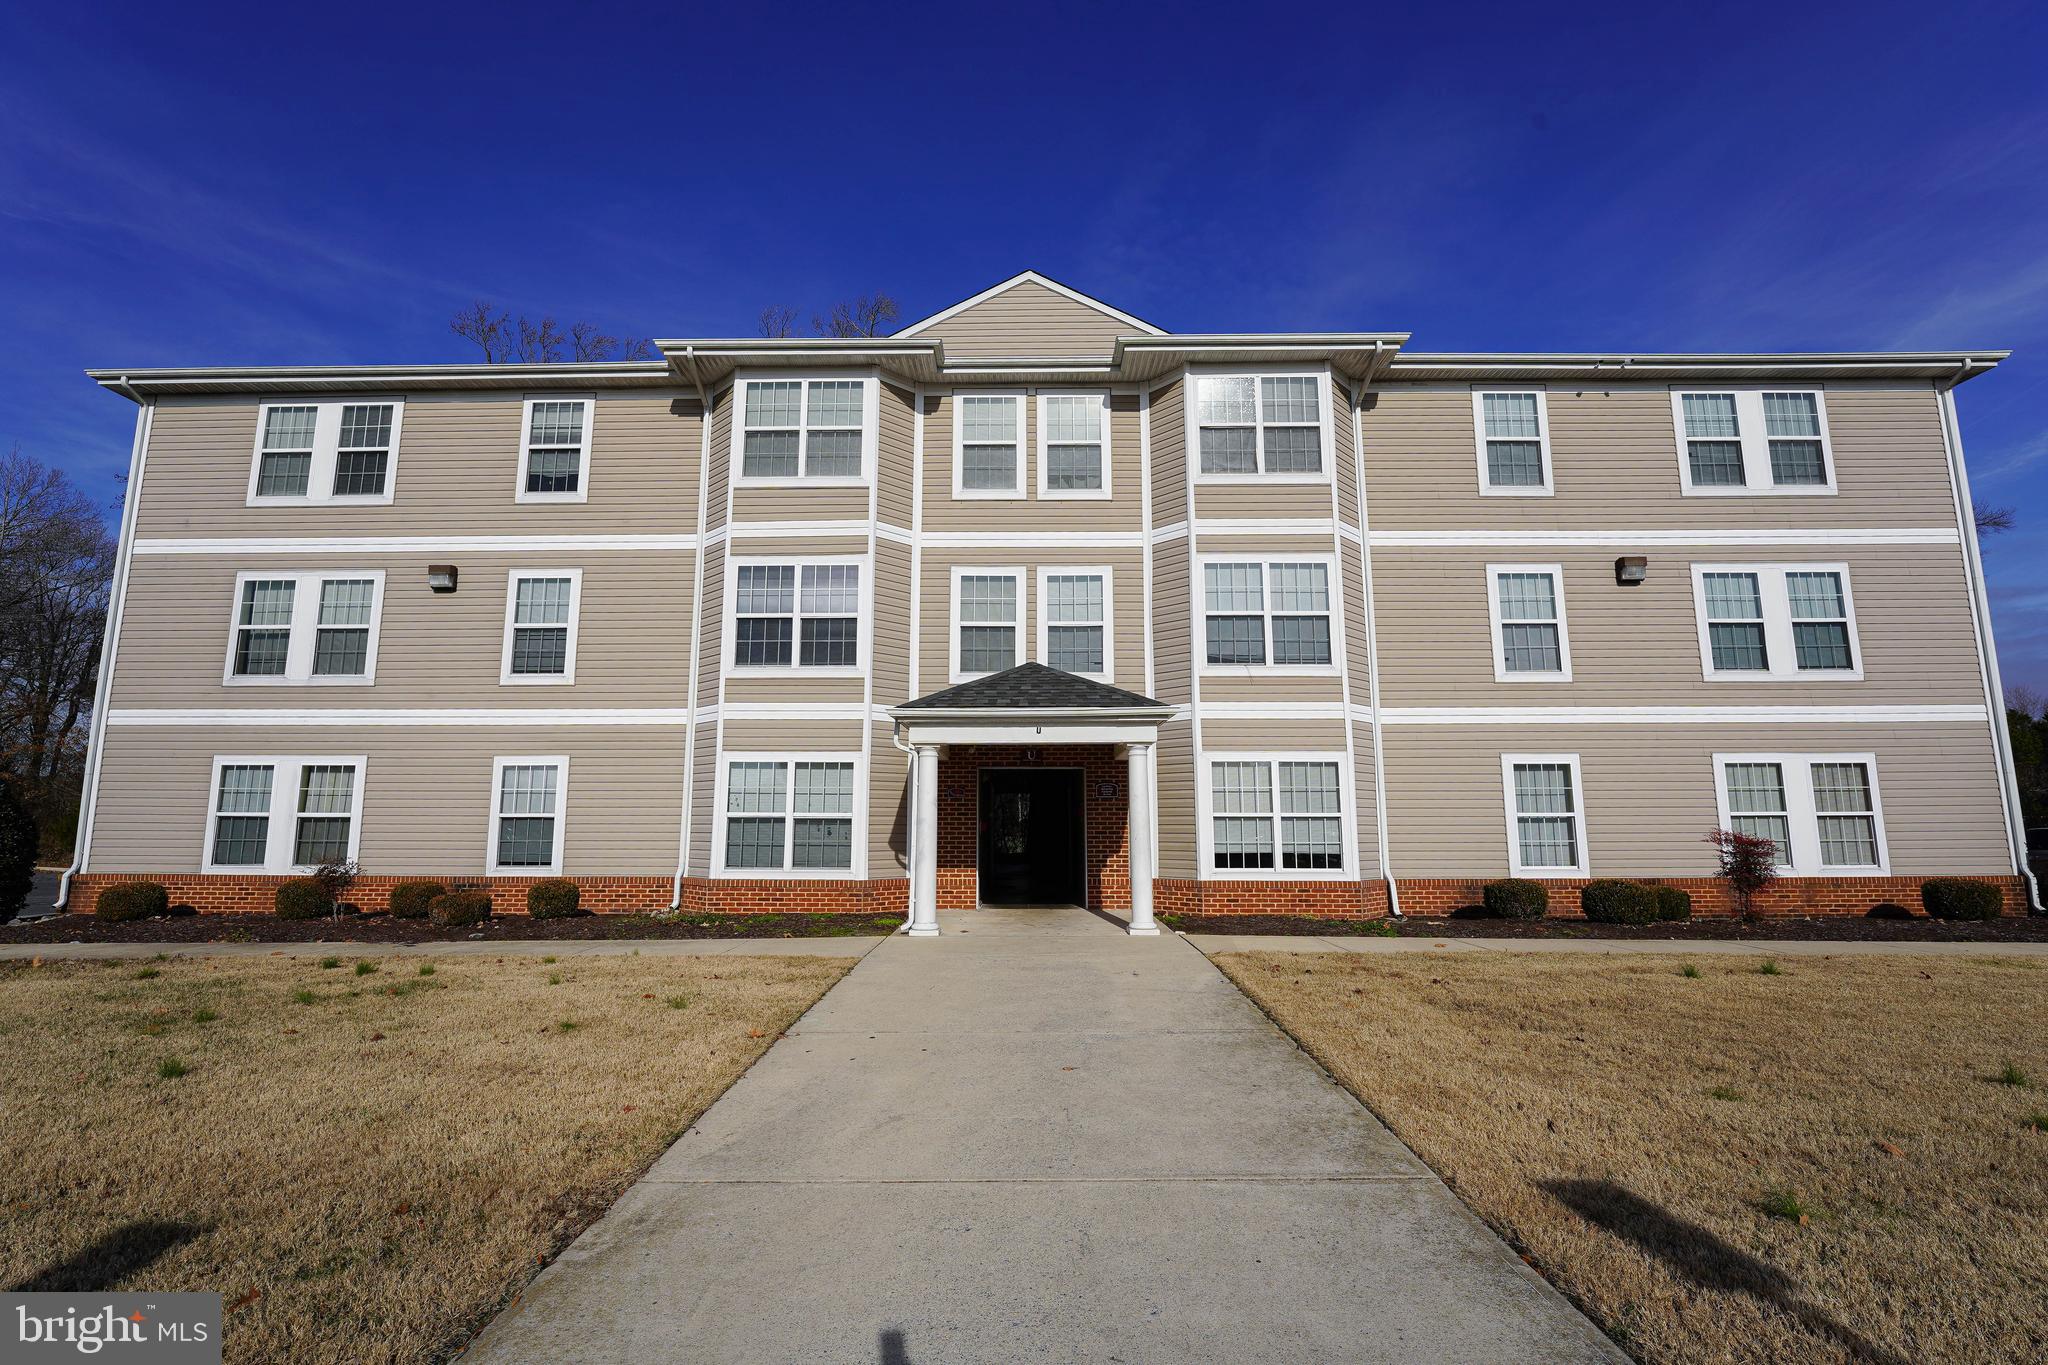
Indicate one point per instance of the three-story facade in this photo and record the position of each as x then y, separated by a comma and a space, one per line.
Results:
1033, 601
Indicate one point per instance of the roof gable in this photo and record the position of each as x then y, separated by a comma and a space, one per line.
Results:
1032, 687
1031, 316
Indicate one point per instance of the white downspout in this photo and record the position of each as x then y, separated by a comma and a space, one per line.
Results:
1987, 646
675, 895
117, 598
1372, 646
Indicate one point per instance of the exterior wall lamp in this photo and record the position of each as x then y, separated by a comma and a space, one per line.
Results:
1631, 570
441, 577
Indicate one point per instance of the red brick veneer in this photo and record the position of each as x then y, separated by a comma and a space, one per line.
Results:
223, 893
1710, 895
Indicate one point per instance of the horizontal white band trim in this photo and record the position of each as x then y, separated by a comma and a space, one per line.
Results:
1669, 715
975, 540
1174, 532
1265, 710
786, 530
1265, 526
368, 545
795, 710
535, 716
1927, 535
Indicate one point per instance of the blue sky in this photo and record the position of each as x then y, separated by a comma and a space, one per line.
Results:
270, 185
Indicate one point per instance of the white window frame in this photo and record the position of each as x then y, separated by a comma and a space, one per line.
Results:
1047, 572
1487, 487
794, 668
1584, 868
1269, 669
1193, 418
859, 867
1205, 799
286, 772
870, 427
326, 446
560, 763
1756, 442
954, 623
1802, 819
1779, 649
1563, 674
305, 629
1015, 492
582, 493
506, 677
1045, 490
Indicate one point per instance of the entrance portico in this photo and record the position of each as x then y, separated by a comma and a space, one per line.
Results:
1012, 733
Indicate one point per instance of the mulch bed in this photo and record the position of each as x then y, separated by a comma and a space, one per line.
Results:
1785, 928
380, 928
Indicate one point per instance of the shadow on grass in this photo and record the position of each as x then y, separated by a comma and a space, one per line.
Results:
1696, 1254
111, 1259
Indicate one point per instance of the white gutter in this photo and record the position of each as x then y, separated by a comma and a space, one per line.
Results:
675, 895
117, 599
1987, 645
1029, 713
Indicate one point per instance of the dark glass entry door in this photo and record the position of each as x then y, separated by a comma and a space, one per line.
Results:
1031, 841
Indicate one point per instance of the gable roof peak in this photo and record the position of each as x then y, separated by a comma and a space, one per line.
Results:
1043, 281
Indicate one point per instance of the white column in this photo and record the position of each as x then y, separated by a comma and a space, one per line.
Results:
924, 845
1138, 759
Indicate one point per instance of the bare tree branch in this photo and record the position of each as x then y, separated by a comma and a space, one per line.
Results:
487, 327
1992, 520
504, 338
777, 321
865, 316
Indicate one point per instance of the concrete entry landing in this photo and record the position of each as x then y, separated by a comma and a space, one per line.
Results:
1038, 1138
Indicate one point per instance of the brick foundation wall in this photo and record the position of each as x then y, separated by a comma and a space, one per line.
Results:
1710, 895
1105, 819
226, 894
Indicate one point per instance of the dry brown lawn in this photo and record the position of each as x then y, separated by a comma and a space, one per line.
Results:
1650, 1141
365, 1166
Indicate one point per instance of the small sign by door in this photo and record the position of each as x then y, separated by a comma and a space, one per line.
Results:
1031, 755
1106, 790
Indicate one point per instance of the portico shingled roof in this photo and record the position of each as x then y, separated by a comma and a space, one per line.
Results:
1034, 687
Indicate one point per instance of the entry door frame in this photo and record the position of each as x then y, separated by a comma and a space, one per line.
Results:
1081, 786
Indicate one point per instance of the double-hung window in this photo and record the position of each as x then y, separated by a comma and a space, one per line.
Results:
1277, 812
1270, 614
1753, 441
1776, 622
1529, 640
313, 628
1073, 445
527, 800
1546, 815
788, 813
554, 461
271, 814
1821, 810
988, 621
1074, 612
1260, 425
541, 611
988, 445
1514, 442
804, 430
796, 615
309, 454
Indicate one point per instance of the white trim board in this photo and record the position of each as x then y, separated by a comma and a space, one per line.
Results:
1930, 535
426, 545
1675, 715
538, 717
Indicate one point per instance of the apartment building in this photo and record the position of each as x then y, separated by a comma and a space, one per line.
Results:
1036, 602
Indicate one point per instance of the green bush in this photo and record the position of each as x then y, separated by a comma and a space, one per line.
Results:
126, 901
1960, 898
409, 900
1610, 901
459, 908
1673, 903
554, 898
18, 840
304, 898
1516, 898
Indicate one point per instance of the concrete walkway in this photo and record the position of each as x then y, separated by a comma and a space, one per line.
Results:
1036, 1138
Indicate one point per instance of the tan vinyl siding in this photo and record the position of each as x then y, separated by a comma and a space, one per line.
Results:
896, 447
1614, 456
1640, 646
457, 472
1283, 691
798, 504
1028, 319
794, 687
1171, 657
1357, 641
744, 735
703, 799
1177, 855
1127, 584
1342, 462
1219, 735
433, 650
426, 796
745, 546
1169, 454
1122, 511
888, 806
711, 645
1366, 814
720, 488
1270, 543
890, 627
1254, 501
1649, 793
